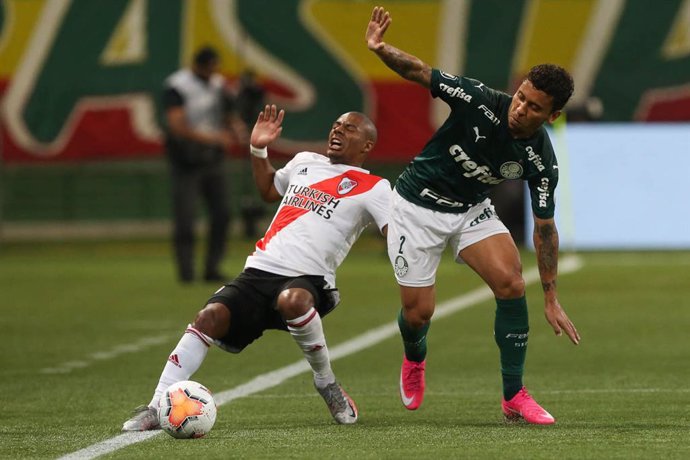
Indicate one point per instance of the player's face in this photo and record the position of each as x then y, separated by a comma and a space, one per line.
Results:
205, 71
529, 109
347, 140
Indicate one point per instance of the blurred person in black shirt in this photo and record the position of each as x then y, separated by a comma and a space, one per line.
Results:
201, 123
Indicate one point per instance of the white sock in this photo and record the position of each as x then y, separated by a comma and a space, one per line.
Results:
184, 361
307, 331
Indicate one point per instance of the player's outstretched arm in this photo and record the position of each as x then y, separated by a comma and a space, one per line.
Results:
266, 130
546, 245
406, 65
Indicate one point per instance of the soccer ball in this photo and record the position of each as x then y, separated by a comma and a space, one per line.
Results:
187, 410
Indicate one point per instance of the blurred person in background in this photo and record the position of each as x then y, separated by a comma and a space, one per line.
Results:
251, 98
589, 110
201, 124
442, 199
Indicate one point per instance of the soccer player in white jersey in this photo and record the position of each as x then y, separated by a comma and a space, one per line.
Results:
327, 200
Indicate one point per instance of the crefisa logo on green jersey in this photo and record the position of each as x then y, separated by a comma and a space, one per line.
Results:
480, 172
534, 158
455, 91
543, 190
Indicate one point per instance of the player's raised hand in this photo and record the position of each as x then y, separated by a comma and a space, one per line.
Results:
560, 322
268, 126
378, 24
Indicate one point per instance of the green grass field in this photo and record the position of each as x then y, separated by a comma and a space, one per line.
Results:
86, 328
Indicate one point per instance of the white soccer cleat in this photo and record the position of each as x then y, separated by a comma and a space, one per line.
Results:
144, 418
342, 407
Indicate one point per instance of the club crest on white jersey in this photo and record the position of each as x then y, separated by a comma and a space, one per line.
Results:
346, 185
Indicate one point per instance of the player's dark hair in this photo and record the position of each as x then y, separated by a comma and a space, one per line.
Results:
553, 80
205, 56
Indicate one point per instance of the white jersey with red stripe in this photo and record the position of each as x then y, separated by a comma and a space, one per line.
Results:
324, 209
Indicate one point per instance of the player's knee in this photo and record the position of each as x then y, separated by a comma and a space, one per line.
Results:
294, 302
417, 314
213, 320
510, 286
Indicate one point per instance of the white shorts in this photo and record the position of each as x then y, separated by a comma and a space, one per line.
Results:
417, 237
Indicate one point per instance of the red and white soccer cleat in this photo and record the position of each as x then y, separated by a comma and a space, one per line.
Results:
523, 406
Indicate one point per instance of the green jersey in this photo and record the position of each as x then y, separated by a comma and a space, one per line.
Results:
473, 151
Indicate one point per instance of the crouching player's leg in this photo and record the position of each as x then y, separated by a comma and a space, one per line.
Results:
185, 359
296, 304
233, 317
238, 314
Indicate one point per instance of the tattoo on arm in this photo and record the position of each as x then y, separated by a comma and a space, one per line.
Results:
407, 66
546, 242
548, 286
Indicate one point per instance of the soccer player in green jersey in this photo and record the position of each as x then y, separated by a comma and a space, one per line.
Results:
442, 199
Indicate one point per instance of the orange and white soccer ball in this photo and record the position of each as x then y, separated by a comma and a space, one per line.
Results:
187, 410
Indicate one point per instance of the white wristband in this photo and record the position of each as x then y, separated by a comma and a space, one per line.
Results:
259, 153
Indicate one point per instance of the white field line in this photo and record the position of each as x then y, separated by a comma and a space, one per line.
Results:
274, 378
114, 352
492, 393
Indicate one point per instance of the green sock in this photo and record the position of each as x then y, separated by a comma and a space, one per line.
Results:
414, 340
511, 330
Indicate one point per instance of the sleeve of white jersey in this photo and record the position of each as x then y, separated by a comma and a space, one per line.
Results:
281, 180
379, 203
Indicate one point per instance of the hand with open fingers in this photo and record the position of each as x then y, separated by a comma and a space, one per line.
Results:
560, 322
268, 126
378, 24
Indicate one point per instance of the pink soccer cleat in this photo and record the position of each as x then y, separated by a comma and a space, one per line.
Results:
412, 383
523, 406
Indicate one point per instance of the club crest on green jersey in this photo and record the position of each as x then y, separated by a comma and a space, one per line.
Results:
511, 170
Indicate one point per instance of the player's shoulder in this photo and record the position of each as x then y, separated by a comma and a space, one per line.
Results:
377, 180
304, 160
380, 181
383, 185
542, 142
451, 87
370, 182
363, 173
217, 80
540, 156
309, 157
179, 77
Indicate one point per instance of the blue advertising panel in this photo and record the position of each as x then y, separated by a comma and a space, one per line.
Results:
622, 186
